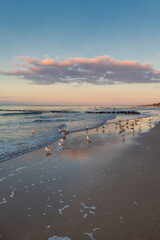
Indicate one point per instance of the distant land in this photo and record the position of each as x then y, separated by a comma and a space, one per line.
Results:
156, 104
152, 105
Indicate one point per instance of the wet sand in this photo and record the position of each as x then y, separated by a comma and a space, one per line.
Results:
108, 189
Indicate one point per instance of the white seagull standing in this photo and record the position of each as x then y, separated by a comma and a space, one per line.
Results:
88, 140
48, 150
61, 144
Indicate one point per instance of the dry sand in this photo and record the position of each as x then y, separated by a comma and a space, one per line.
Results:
104, 190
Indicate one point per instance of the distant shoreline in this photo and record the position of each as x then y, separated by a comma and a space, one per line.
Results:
151, 105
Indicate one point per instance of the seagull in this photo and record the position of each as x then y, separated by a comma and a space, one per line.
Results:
139, 130
88, 140
48, 150
123, 137
61, 144
108, 132
64, 133
132, 130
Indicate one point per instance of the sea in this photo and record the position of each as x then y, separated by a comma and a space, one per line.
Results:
17, 122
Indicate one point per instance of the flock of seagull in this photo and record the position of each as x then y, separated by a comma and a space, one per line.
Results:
121, 126
62, 140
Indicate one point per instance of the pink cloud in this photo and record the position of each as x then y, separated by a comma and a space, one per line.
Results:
31, 60
100, 70
46, 62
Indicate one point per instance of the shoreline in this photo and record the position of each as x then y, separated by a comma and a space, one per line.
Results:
110, 120
106, 190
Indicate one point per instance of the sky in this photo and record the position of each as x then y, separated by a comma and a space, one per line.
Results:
80, 52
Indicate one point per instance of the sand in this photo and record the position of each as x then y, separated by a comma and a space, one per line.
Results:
108, 189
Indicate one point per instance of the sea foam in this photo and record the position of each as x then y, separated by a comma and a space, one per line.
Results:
58, 238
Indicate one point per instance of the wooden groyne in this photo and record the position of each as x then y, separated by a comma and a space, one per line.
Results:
68, 111
114, 112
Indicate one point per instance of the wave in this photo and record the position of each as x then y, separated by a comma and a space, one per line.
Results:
27, 147
48, 120
43, 120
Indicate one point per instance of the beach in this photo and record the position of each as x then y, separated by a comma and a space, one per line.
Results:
107, 189
79, 120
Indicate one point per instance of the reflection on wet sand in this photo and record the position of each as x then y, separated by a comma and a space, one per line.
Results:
78, 154
78, 148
